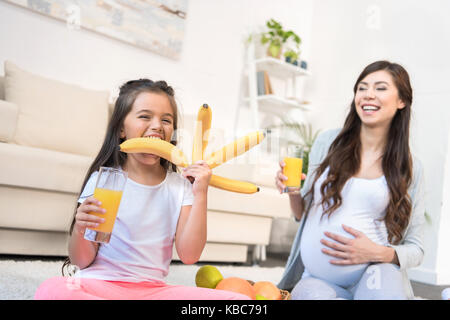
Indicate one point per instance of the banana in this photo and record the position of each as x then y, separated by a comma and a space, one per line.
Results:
201, 133
171, 153
234, 149
232, 185
155, 146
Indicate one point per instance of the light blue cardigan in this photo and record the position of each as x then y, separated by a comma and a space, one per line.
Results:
409, 251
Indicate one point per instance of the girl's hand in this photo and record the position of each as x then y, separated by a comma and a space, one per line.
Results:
351, 251
199, 174
84, 219
280, 178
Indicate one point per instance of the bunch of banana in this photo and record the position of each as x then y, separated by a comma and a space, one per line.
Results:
201, 133
232, 185
234, 149
171, 153
156, 146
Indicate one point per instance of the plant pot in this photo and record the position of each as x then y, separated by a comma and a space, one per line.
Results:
304, 65
289, 60
274, 51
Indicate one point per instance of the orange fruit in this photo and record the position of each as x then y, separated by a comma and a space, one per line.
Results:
267, 289
238, 285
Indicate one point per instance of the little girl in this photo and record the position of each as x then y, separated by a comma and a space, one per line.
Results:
158, 205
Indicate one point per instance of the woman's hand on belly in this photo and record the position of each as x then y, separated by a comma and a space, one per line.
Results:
352, 251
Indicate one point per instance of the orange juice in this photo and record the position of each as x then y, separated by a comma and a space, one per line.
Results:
110, 200
293, 170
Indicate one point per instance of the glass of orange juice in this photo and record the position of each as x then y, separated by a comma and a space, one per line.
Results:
293, 168
108, 190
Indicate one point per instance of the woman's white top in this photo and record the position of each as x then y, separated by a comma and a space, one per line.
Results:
141, 244
363, 208
410, 249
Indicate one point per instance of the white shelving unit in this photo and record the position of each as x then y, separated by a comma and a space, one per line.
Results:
279, 68
272, 104
269, 105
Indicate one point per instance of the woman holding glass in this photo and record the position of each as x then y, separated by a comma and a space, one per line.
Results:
361, 209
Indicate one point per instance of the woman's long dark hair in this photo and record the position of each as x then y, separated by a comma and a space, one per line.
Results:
109, 154
344, 156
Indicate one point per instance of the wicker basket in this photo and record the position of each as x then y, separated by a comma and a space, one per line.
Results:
285, 295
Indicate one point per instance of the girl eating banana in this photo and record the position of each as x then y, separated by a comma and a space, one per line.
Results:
158, 207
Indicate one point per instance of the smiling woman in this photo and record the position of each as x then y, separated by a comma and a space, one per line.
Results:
363, 202
377, 99
375, 144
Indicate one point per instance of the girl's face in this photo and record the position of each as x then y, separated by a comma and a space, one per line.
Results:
377, 100
150, 115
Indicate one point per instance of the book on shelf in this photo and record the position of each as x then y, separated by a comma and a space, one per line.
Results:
267, 85
263, 82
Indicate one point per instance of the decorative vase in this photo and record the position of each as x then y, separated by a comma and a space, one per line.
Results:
303, 64
274, 51
289, 60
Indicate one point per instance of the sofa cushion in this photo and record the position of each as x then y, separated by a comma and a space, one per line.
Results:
261, 174
34, 209
54, 115
30, 167
8, 120
268, 202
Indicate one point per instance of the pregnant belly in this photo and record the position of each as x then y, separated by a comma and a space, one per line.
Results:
317, 263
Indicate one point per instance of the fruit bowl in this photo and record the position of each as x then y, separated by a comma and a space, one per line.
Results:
285, 295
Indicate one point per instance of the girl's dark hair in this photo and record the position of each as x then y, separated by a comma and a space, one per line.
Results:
344, 156
109, 154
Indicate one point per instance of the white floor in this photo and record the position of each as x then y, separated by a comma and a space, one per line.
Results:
20, 279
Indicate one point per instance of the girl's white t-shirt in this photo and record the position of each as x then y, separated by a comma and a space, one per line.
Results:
140, 248
364, 203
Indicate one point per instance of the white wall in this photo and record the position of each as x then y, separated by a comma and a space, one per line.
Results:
209, 70
348, 35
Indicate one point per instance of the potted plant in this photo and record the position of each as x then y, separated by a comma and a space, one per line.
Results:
276, 36
293, 49
291, 56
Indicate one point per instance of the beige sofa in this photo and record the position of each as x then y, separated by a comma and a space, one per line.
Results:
50, 132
